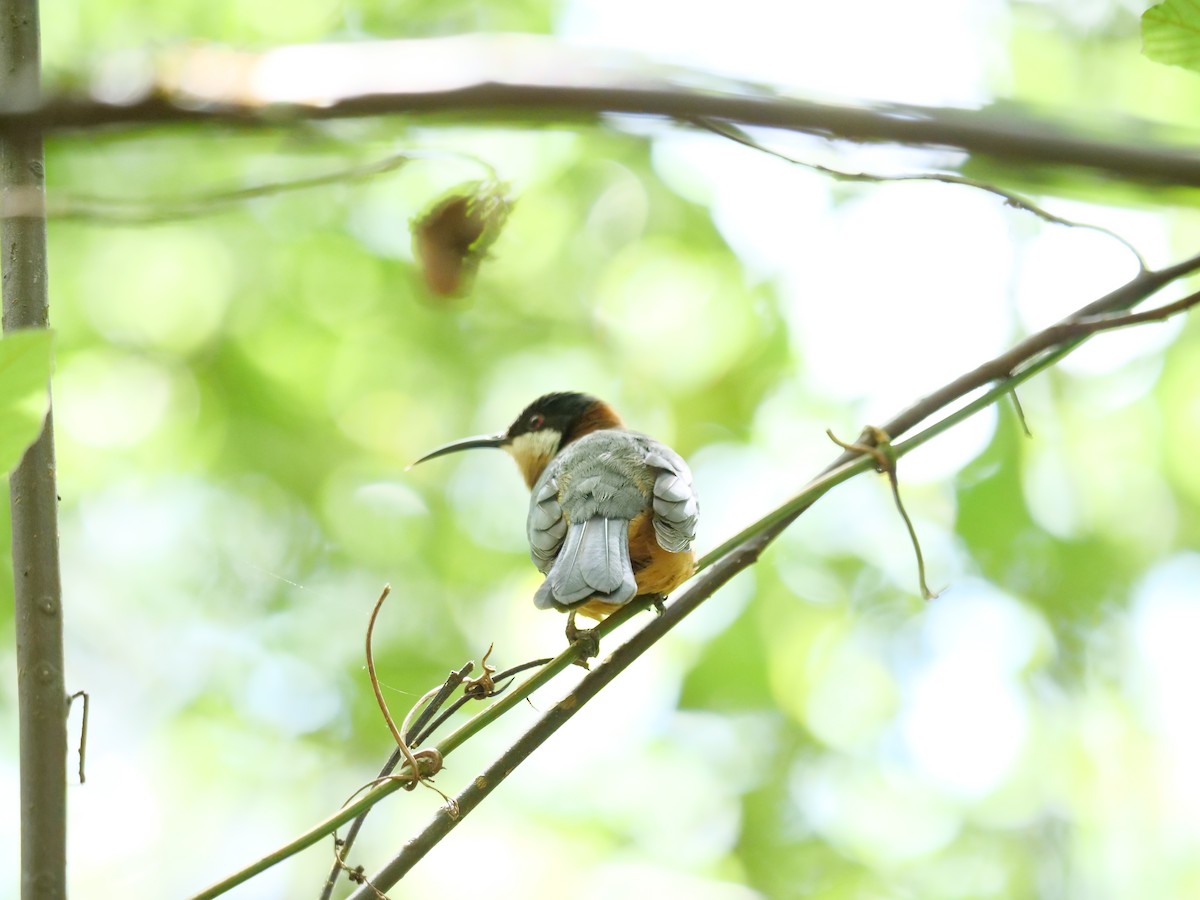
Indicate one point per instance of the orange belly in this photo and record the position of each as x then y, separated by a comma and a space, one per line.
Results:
657, 571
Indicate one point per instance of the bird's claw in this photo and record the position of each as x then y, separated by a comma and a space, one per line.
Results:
658, 603
585, 639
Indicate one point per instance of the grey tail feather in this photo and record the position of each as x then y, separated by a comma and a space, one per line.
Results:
593, 562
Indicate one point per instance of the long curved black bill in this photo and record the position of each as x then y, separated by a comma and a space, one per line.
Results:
482, 440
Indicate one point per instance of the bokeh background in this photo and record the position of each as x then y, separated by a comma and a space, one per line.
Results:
237, 395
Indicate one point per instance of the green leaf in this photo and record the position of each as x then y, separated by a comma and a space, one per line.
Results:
24, 394
1171, 33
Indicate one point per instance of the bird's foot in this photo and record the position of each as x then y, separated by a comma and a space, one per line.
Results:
585, 639
657, 603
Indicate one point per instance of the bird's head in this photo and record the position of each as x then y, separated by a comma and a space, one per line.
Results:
542, 429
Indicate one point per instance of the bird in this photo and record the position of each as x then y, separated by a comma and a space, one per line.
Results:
612, 512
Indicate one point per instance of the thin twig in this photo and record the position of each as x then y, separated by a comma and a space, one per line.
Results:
880, 449
557, 716
419, 706
155, 210
1020, 410
357, 874
733, 133
343, 847
452, 683
1050, 343
83, 728
383, 707
502, 683
1094, 324
416, 774
415, 737
410, 780
894, 481
72, 206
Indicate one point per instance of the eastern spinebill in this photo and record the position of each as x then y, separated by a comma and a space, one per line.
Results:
612, 514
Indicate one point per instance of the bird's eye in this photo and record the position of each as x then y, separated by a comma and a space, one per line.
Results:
536, 421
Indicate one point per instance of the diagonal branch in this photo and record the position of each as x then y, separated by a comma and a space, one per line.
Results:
1003, 374
420, 731
745, 549
1026, 357
558, 715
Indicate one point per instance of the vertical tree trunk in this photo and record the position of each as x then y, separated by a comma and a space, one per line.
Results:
33, 498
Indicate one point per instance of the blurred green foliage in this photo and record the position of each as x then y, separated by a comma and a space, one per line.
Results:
24, 376
237, 396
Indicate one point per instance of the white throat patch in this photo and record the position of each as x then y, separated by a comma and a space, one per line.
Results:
533, 450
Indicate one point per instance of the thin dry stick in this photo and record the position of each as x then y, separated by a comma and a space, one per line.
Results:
1094, 324
144, 212
474, 691
357, 874
83, 728
415, 775
153, 210
418, 734
419, 706
885, 460
343, 847
340, 848
1020, 411
733, 133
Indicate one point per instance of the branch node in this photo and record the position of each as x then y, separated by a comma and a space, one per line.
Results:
880, 448
484, 685
873, 442
357, 874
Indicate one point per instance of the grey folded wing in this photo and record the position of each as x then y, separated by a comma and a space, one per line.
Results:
676, 506
546, 527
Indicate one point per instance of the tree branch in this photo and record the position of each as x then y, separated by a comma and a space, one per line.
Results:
419, 732
555, 718
380, 79
33, 498
1036, 352
745, 549
1005, 372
